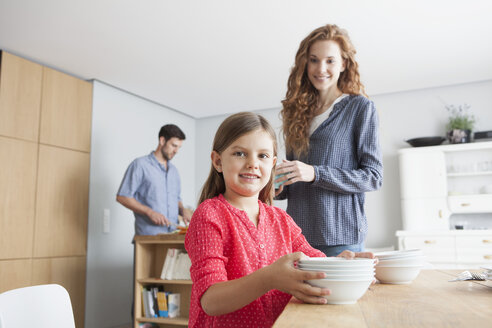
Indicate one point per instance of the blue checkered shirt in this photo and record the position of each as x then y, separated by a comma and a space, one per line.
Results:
345, 153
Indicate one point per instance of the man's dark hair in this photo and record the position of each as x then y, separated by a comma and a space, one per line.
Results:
169, 131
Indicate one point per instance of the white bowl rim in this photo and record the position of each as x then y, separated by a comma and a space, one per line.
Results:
337, 261
347, 280
400, 266
340, 268
406, 252
371, 269
405, 258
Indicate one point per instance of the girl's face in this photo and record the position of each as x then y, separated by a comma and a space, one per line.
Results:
325, 64
246, 164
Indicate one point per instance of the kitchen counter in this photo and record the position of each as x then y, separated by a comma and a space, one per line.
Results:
429, 301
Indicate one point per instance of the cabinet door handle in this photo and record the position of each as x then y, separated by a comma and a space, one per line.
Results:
487, 241
465, 204
487, 257
429, 241
440, 214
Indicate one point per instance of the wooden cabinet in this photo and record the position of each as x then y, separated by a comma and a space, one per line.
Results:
20, 97
66, 111
150, 253
17, 197
62, 202
45, 124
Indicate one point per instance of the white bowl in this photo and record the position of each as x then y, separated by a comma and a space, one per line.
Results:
346, 274
338, 261
407, 261
313, 267
398, 254
349, 276
397, 275
347, 271
342, 291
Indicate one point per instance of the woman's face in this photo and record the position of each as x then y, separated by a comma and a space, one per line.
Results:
325, 64
246, 164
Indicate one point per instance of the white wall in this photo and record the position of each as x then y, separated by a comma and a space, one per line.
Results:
124, 127
402, 116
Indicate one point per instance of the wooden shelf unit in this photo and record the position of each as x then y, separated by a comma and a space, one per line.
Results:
150, 254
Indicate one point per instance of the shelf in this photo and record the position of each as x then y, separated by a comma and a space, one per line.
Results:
153, 281
469, 174
179, 321
168, 238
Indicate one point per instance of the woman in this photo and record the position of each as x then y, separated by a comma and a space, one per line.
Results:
331, 136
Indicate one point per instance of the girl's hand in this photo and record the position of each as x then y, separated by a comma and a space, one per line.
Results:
284, 276
296, 171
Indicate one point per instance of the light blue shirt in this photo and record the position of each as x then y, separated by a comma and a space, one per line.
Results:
152, 185
345, 153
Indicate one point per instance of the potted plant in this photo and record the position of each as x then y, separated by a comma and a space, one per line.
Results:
460, 123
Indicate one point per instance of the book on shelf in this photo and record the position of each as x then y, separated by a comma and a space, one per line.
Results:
173, 301
154, 291
148, 303
176, 265
145, 303
162, 303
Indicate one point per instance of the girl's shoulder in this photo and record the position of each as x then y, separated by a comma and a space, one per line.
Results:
209, 205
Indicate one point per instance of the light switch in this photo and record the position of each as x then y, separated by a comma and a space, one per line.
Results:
106, 221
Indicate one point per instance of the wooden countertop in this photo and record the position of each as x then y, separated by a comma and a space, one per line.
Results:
429, 301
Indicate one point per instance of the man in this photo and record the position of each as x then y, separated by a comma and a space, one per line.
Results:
151, 187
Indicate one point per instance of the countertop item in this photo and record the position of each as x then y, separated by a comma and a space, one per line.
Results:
425, 141
434, 301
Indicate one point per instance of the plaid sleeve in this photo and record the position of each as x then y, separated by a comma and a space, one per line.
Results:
368, 175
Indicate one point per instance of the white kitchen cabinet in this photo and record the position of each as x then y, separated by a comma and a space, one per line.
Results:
450, 249
442, 186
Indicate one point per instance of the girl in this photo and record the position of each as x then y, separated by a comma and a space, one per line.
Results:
331, 137
242, 249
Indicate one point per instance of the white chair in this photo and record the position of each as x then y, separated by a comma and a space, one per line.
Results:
43, 306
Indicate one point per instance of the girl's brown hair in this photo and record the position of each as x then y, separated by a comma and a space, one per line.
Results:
234, 127
302, 98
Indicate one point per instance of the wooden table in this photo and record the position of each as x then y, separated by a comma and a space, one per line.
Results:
429, 301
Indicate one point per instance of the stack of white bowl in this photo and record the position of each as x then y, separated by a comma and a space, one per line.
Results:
488, 272
399, 267
347, 280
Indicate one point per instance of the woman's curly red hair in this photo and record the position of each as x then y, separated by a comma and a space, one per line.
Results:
302, 99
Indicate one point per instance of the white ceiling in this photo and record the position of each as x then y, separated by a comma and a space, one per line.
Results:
211, 57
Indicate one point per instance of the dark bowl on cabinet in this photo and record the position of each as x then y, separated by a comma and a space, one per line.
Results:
425, 141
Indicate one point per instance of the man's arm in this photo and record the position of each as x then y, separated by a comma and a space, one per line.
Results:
185, 213
136, 206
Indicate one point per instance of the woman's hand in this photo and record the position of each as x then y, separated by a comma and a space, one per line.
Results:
296, 171
349, 255
284, 276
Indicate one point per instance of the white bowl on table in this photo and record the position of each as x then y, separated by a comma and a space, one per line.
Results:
338, 262
392, 255
406, 261
333, 268
397, 274
342, 291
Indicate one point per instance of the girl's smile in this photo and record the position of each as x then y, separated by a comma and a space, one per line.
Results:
246, 164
